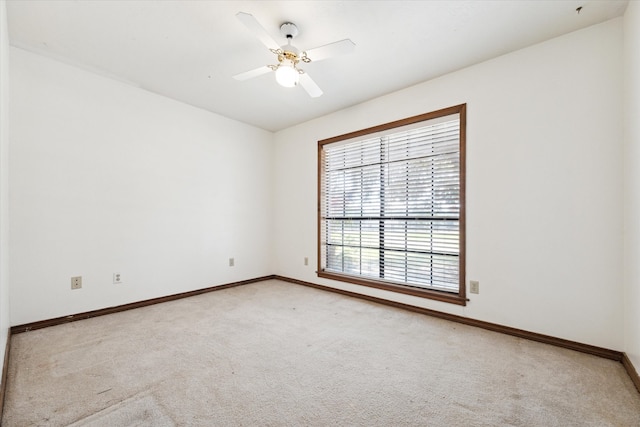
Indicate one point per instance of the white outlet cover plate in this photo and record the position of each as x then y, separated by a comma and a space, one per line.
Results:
76, 282
474, 287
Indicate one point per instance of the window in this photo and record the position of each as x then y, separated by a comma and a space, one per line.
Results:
391, 206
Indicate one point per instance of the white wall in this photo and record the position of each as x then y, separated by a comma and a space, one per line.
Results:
106, 177
544, 185
4, 176
632, 181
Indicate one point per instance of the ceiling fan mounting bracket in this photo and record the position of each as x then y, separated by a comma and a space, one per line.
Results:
289, 30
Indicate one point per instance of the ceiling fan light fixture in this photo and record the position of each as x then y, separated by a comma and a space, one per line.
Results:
286, 70
286, 74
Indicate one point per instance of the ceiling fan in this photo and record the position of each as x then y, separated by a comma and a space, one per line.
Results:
286, 70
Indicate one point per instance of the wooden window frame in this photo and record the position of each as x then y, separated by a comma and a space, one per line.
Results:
450, 297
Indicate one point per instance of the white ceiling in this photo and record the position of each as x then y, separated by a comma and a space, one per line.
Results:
189, 50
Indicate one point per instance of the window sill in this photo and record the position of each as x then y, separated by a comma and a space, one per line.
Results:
422, 293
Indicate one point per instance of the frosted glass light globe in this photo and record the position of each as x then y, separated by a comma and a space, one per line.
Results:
286, 75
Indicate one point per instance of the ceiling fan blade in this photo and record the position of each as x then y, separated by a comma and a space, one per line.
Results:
341, 47
310, 86
258, 30
252, 73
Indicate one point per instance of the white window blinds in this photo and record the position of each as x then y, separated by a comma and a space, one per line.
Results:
390, 206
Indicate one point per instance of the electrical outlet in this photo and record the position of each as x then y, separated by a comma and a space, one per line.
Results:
231, 262
474, 287
306, 261
76, 282
117, 278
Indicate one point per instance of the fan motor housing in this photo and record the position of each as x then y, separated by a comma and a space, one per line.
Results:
291, 56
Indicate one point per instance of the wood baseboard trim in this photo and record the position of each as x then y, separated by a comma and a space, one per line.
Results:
631, 370
546, 339
5, 371
110, 310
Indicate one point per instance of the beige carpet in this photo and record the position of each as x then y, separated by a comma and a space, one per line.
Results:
278, 354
